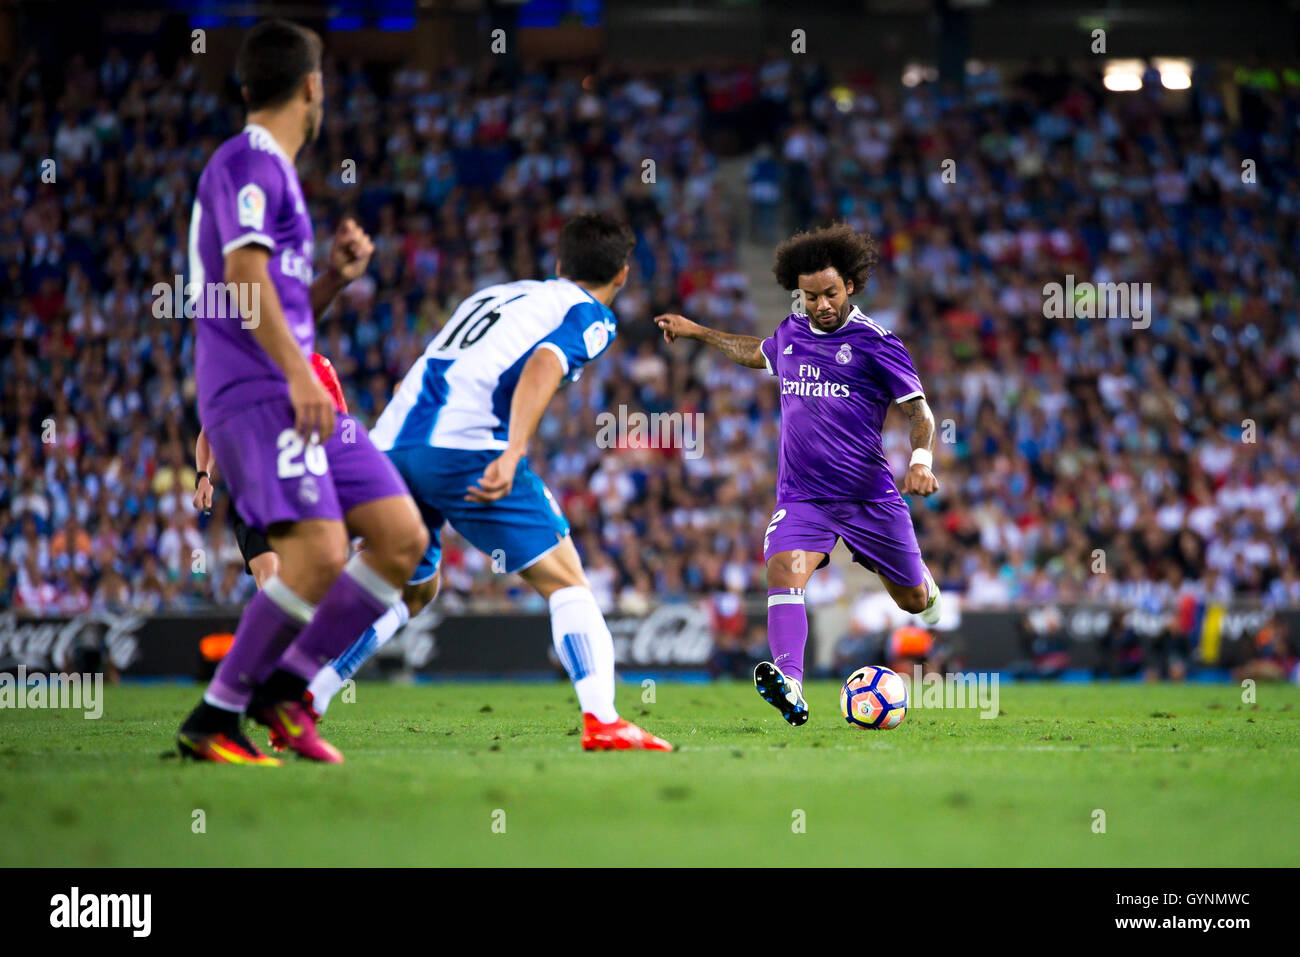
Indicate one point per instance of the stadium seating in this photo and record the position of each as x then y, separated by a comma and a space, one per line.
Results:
1170, 450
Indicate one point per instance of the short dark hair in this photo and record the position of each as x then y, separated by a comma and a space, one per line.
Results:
593, 247
273, 59
852, 254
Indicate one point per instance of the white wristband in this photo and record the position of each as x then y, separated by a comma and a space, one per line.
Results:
922, 457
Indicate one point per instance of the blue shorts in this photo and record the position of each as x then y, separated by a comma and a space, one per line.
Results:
513, 531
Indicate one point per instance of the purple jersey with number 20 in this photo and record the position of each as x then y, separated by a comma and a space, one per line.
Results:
249, 194
833, 480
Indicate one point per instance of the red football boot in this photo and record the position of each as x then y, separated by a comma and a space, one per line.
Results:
221, 748
277, 742
618, 735
294, 723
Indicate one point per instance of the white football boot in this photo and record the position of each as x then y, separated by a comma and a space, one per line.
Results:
782, 692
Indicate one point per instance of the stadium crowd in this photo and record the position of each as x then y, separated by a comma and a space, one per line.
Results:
1088, 456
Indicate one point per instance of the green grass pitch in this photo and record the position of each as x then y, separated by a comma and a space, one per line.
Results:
492, 774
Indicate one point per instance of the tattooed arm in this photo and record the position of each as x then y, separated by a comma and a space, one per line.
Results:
743, 350
920, 479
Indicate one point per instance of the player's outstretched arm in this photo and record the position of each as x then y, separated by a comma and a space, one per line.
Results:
743, 350
920, 479
541, 376
312, 406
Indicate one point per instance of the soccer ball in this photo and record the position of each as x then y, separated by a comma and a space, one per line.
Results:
874, 698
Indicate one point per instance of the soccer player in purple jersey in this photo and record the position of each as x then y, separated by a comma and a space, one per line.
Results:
839, 372
305, 475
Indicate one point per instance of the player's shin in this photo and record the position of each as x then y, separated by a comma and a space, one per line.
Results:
586, 649
330, 678
271, 621
787, 630
356, 599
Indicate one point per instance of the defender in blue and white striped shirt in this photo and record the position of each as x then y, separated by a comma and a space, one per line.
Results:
458, 430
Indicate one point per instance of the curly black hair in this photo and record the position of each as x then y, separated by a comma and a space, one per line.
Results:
852, 254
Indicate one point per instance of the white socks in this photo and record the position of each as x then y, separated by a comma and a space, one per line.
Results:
586, 649
324, 686
389, 624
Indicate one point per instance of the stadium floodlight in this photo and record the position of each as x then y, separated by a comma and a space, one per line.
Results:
1123, 76
1175, 72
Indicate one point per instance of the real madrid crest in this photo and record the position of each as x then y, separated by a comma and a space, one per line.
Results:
845, 355
308, 490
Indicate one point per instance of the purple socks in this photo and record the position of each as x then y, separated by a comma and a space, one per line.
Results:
787, 630
273, 618
279, 629
352, 604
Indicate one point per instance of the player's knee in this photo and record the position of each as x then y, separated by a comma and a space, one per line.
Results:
781, 573
330, 558
402, 547
411, 545
547, 581
560, 568
316, 556
312, 577
263, 566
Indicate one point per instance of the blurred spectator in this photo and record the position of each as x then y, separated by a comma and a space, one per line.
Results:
1045, 652
1080, 458
1273, 657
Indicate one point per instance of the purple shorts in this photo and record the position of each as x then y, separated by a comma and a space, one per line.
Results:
879, 534
273, 476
